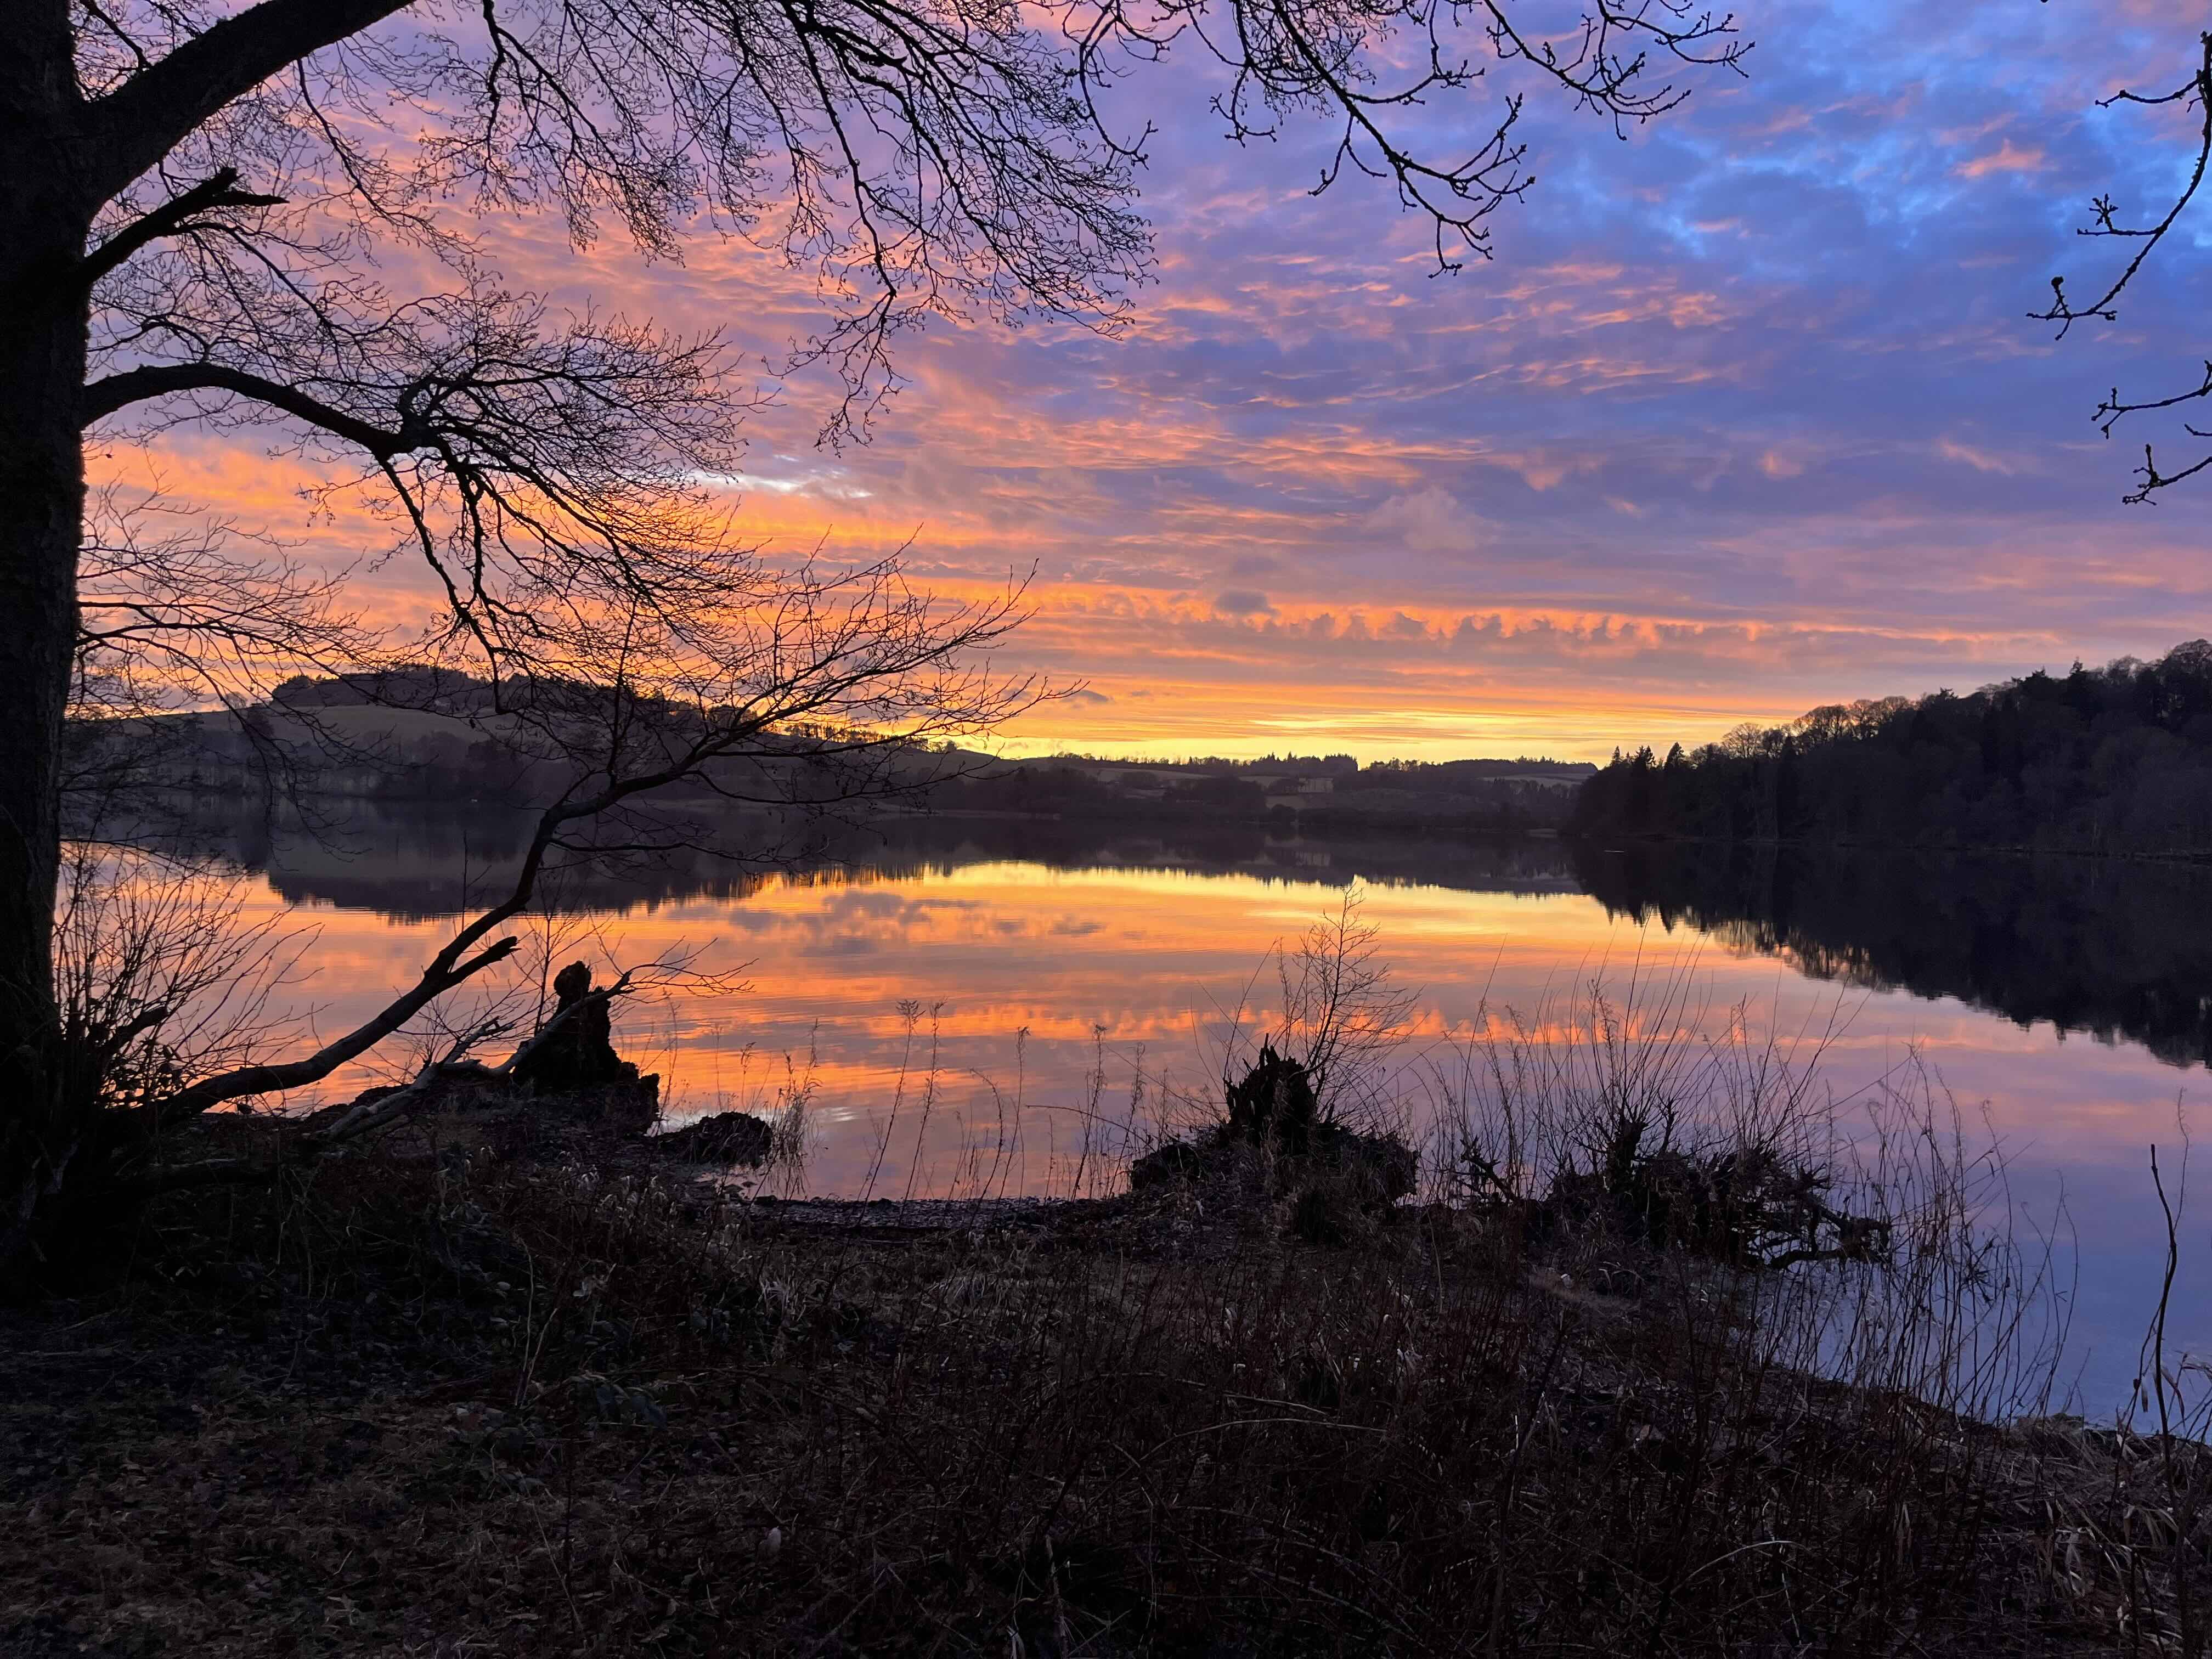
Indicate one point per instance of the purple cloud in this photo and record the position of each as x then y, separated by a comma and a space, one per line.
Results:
1746, 415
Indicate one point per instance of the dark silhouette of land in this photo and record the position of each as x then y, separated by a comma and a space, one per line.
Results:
436, 735
2111, 760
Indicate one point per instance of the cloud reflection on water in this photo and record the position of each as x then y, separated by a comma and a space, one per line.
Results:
1027, 970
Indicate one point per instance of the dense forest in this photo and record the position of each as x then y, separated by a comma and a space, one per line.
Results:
2116, 759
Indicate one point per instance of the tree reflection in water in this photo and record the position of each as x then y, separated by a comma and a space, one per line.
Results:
2114, 948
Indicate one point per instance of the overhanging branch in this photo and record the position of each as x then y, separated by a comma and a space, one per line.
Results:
148, 115
439, 978
112, 394
210, 195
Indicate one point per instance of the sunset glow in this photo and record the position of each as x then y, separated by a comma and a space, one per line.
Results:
1746, 415
893, 827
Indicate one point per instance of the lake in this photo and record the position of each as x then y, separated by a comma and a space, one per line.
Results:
989, 1005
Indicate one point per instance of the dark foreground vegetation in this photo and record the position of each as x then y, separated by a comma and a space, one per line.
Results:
496, 1384
2111, 760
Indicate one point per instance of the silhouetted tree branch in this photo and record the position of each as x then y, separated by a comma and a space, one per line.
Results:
203, 198
2193, 95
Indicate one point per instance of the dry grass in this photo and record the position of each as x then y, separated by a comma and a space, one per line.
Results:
447, 1406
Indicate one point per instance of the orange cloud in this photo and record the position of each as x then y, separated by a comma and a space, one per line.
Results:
2008, 157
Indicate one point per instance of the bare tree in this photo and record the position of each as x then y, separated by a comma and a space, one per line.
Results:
2142, 236
178, 612
775, 687
204, 199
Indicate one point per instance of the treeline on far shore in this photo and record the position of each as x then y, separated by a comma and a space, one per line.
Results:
1376, 799
2116, 759
437, 736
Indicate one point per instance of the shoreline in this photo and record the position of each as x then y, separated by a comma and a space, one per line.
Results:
440, 1397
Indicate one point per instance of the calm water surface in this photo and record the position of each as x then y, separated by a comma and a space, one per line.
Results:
1021, 978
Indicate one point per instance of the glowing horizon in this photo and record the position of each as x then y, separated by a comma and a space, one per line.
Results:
1747, 416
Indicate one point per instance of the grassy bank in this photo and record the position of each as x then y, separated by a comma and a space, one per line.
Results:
457, 1402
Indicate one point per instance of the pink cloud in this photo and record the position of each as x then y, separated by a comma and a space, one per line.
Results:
2007, 157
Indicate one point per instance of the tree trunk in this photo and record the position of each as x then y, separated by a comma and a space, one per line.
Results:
42, 368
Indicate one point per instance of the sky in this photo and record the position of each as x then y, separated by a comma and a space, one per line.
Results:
1747, 414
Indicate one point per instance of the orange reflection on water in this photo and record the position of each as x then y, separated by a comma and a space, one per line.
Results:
1024, 979
1003, 1024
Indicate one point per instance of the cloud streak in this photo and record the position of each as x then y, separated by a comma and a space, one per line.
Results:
1746, 415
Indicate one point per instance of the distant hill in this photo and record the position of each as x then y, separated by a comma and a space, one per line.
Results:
1420, 774
415, 733
1321, 795
432, 734
2113, 759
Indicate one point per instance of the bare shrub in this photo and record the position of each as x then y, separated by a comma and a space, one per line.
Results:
1339, 1018
163, 974
1057, 1437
